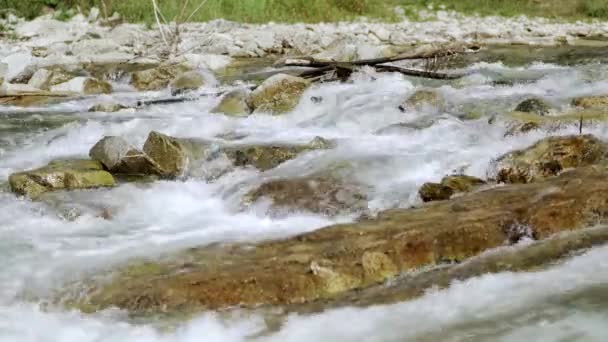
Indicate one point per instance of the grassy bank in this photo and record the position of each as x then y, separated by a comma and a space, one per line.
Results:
260, 11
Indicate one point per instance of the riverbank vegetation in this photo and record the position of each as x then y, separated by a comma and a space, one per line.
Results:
261, 11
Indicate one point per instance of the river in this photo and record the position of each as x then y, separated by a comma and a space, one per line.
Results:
45, 244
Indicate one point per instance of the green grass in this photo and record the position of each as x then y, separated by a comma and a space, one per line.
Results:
261, 11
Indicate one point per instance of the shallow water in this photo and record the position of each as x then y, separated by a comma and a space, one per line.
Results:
40, 249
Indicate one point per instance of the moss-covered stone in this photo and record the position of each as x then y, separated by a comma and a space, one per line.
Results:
173, 155
278, 94
435, 192
157, 78
234, 103
331, 262
548, 157
187, 81
94, 86
60, 175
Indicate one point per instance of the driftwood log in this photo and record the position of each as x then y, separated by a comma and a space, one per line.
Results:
434, 58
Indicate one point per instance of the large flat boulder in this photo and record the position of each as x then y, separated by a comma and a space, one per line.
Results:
318, 194
331, 262
60, 175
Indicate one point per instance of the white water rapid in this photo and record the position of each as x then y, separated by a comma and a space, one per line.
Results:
40, 249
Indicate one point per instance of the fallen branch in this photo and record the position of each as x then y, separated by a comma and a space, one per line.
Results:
435, 53
418, 73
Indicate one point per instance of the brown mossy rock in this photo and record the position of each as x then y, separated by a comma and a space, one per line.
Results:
548, 157
157, 78
60, 175
278, 94
462, 183
449, 186
534, 106
330, 262
318, 194
173, 155
234, 103
435, 192
186, 82
588, 102
119, 157
423, 98
266, 157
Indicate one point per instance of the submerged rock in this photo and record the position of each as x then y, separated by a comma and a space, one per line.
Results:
318, 194
330, 262
118, 156
535, 106
548, 157
107, 107
278, 94
266, 157
421, 99
187, 81
591, 102
520, 122
234, 103
157, 78
449, 186
60, 175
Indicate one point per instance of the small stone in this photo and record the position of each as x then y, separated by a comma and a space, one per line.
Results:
107, 107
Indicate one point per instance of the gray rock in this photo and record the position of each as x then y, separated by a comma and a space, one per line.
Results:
119, 157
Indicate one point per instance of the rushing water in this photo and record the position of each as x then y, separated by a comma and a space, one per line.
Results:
40, 249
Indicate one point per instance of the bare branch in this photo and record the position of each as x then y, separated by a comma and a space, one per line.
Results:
160, 26
196, 10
